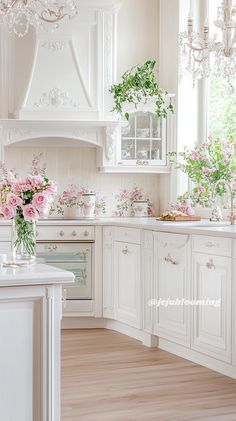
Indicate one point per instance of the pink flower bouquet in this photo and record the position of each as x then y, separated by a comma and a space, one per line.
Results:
25, 201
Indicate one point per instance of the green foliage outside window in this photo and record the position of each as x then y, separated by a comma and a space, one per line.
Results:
222, 111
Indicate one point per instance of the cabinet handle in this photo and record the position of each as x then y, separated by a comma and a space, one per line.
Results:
169, 259
37, 233
51, 248
64, 298
74, 233
86, 233
210, 264
210, 244
61, 233
125, 250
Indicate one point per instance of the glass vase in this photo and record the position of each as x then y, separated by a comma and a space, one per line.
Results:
23, 241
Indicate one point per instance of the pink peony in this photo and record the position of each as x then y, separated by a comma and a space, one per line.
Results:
40, 201
14, 200
30, 213
9, 212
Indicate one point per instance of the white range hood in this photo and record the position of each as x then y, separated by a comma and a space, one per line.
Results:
66, 99
73, 68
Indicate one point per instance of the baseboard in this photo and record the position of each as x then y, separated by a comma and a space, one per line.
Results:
101, 323
198, 358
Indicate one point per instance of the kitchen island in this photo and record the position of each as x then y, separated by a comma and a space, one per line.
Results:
30, 322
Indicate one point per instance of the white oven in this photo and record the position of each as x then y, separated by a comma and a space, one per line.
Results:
70, 249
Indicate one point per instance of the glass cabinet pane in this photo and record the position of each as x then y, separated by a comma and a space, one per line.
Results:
129, 130
142, 125
128, 149
156, 149
156, 127
143, 149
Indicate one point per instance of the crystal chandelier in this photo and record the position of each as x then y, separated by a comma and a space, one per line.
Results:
202, 55
18, 15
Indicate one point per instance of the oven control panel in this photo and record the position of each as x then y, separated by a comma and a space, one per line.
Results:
65, 233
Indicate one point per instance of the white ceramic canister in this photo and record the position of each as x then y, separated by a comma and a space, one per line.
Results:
140, 208
88, 205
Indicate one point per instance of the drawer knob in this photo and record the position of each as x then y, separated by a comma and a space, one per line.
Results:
125, 250
210, 264
51, 248
61, 233
74, 233
86, 233
169, 259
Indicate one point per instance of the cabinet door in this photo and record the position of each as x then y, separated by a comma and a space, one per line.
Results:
234, 309
127, 283
212, 323
172, 283
147, 283
108, 273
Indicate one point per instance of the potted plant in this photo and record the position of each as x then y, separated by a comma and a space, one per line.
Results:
138, 86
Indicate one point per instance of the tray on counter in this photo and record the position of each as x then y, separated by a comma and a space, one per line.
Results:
181, 218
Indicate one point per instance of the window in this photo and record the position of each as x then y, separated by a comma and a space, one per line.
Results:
221, 101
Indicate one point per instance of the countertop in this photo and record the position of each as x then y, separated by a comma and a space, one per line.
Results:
36, 274
203, 227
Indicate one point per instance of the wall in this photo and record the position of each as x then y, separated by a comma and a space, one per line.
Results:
138, 33
78, 165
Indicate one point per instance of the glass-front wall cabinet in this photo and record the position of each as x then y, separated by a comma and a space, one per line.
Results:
143, 140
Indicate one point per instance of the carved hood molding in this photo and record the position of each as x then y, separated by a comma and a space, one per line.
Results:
73, 68
100, 134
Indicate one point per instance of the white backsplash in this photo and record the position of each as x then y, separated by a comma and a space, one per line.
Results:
78, 165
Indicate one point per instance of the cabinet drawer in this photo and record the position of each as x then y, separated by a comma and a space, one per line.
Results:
212, 245
234, 248
5, 233
128, 235
65, 233
167, 242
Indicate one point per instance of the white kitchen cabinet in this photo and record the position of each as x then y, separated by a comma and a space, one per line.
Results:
147, 280
233, 286
141, 144
30, 319
172, 282
127, 282
212, 323
108, 273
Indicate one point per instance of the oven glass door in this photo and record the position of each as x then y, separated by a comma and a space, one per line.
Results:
75, 257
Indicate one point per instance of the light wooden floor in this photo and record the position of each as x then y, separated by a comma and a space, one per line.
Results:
107, 376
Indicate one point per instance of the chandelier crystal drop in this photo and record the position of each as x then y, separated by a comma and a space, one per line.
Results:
202, 56
18, 15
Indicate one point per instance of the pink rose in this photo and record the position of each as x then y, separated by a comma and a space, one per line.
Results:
14, 200
9, 212
189, 211
52, 188
201, 189
30, 213
40, 201
43, 213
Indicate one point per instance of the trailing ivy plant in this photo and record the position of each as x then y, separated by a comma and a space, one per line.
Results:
138, 84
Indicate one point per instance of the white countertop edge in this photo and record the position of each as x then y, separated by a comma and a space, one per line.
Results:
221, 229
36, 274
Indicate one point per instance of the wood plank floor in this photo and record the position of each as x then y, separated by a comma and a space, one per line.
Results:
107, 376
